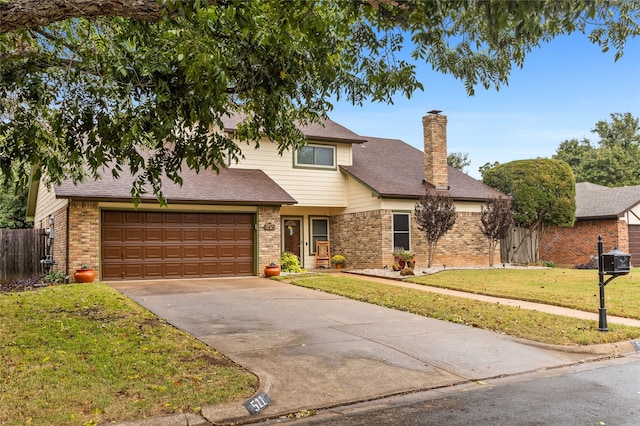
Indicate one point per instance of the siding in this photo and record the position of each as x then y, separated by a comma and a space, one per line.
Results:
360, 197
46, 204
310, 187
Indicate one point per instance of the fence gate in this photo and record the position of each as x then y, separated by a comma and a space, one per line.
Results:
21, 251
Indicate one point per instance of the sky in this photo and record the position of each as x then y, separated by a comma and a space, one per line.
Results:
563, 89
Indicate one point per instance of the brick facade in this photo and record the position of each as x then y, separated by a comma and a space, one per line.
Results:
359, 237
269, 241
435, 150
84, 236
366, 239
575, 246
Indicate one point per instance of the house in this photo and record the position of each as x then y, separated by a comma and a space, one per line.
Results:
613, 213
356, 192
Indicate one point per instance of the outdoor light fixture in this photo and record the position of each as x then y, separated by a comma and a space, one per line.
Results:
614, 263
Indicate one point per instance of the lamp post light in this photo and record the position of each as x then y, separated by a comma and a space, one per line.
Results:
614, 263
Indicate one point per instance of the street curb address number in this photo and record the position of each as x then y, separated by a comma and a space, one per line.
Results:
258, 403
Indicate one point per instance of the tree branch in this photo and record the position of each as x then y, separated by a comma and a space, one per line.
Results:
19, 14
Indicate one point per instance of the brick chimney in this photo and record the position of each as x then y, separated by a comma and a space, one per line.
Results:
435, 149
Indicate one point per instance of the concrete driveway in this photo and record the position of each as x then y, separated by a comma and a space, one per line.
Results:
312, 350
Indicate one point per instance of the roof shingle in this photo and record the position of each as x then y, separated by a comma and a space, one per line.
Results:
230, 186
395, 169
595, 201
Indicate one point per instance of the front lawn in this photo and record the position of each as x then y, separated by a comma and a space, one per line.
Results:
527, 324
81, 354
571, 288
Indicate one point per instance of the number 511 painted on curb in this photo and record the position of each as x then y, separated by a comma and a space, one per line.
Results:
258, 403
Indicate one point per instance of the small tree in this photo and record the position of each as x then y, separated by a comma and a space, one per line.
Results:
436, 215
496, 220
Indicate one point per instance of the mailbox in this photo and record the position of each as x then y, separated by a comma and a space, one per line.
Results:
616, 262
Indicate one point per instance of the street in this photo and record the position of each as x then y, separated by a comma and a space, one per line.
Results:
599, 393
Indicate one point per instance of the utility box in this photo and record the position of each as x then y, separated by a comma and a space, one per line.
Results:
616, 262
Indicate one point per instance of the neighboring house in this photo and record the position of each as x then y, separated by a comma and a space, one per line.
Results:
356, 192
613, 213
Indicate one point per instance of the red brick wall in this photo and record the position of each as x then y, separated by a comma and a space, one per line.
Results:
576, 245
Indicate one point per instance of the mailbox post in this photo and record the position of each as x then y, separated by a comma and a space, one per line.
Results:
614, 263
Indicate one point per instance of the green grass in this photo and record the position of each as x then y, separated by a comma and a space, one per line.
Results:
571, 288
84, 354
523, 323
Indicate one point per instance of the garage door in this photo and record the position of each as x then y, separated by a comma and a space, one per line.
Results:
148, 245
634, 244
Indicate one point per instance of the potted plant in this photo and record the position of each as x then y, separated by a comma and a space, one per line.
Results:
396, 266
272, 270
338, 260
84, 274
398, 256
408, 258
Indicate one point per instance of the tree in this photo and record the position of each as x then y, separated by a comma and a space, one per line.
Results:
435, 215
543, 192
613, 160
13, 203
459, 160
141, 84
496, 220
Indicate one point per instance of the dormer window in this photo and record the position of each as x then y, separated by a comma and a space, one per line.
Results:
321, 156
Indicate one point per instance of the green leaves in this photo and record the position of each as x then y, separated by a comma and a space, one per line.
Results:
79, 94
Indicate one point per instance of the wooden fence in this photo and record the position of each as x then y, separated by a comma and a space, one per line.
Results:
20, 253
518, 247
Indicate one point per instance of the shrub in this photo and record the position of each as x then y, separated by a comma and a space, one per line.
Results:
338, 258
289, 262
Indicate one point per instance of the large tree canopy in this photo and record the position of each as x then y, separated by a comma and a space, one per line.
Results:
141, 84
614, 160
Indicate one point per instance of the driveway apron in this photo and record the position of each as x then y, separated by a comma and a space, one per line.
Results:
312, 349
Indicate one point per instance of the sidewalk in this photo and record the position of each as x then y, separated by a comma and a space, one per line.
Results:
556, 310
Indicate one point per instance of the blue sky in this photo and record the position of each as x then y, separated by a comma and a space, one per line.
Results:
564, 88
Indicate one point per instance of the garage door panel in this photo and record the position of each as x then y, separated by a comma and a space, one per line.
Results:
132, 253
133, 235
139, 245
113, 234
172, 252
152, 252
190, 234
172, 234
153, 234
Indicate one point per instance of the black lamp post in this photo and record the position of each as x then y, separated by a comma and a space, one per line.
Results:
614, 263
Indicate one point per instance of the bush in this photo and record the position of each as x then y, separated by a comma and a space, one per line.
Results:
548, 264
289, 262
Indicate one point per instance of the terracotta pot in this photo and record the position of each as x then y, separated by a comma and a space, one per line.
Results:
338, 265
84, 275
271, 271
411, 264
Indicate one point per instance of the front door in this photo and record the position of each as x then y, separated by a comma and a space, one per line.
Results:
292, 236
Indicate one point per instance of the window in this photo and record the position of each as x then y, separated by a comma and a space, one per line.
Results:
316, 156
401, 231
319, 231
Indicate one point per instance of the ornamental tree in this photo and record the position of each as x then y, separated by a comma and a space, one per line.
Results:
543, 192
142, 85
435, 215
495, 222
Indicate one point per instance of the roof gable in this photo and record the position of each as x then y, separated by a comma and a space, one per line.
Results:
395, 169
596, 201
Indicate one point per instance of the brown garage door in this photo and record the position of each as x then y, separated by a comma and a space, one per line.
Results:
148, 245
634, 244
